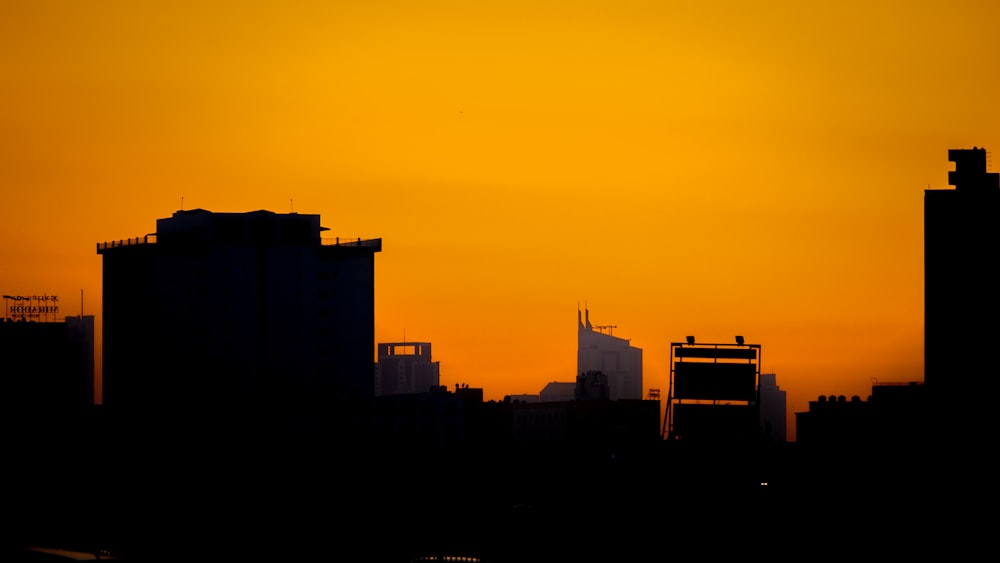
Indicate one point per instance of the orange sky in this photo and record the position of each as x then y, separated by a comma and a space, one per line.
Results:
710, 168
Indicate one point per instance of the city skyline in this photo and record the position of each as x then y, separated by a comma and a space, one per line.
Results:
705, 170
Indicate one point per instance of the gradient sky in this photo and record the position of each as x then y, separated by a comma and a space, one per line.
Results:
680, 168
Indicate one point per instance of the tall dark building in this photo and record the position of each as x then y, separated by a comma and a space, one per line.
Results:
237, 310
961, 298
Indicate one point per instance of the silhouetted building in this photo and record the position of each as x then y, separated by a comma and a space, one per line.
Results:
219, 311
426, 425
48, 367
773, 409
961, 301
902, 414
405, 367
523, 398
586, 426
556, 391
613, 356
835, 421
541, 423
895, 417
419, 423
472, 395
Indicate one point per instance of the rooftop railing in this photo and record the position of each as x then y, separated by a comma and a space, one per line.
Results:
145, 239
335, 241
344, 241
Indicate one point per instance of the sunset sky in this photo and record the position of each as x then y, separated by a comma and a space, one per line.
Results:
679, 168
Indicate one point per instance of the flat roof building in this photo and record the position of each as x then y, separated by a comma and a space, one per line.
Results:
237, 310
406, 367
556, 391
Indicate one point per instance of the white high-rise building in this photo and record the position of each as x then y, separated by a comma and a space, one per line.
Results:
613, 356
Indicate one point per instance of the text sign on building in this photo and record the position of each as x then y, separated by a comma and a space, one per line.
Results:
30, 306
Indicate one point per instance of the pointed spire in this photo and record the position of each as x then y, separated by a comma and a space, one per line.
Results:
579, 318
587, 314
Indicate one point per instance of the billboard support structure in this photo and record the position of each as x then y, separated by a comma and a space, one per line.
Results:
714, 391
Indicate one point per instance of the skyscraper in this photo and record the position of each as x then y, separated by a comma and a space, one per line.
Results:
961, 300
237, 310
615, 357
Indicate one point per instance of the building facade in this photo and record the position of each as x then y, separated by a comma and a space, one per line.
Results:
614, 357
406, 367
237, 310
773, 409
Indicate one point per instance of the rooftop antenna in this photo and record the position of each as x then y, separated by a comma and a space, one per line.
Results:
291, 208
182, 203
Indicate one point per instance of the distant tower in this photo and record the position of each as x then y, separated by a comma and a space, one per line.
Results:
773, 405
961, 297
405, 367
613, 356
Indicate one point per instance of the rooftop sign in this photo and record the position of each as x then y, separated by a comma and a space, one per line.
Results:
30, 306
